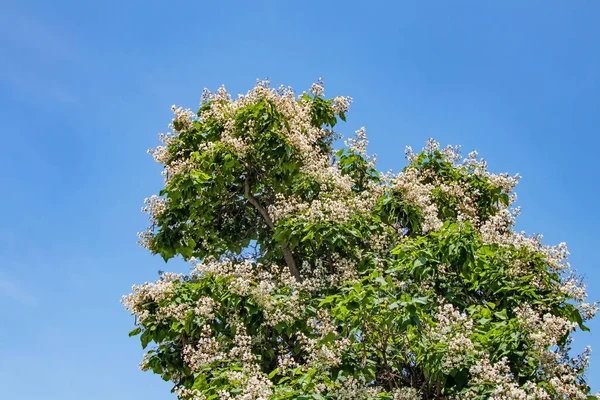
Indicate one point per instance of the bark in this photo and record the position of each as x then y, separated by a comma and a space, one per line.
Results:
287, 253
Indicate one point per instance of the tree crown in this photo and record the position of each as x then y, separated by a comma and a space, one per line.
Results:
315, 276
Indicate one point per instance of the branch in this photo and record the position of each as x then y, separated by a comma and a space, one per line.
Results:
287, 253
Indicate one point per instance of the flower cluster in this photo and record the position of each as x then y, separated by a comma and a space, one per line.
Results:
501, 382
149, 292
453, 330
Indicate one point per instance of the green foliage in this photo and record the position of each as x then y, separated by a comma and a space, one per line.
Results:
322, 278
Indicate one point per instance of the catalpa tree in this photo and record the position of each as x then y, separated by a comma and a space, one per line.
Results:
315, 276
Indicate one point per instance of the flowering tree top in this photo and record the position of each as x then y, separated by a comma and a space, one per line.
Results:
315, 276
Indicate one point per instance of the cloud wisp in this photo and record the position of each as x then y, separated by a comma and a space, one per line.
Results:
12, 290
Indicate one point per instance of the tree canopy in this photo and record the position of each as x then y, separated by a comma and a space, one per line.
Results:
316, 276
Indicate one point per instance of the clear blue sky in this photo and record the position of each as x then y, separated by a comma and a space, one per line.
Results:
85, 86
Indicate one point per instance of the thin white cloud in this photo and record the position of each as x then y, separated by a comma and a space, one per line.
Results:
10, 289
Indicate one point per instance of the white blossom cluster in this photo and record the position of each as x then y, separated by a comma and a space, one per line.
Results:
255, 384
154, 206
148, 292
544, 329
353, 389
499, 377
452, 329
418, 194
417, 188
183, 120
204, 351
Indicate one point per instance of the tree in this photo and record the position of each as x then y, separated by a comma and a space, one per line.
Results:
315, 276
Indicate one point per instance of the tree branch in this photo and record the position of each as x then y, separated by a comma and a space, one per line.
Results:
287, 253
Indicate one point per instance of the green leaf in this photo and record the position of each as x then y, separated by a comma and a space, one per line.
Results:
420, 300
329, 338
136, 331
419, 262
273, 373
145, 339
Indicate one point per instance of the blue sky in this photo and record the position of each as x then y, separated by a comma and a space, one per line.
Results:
86, 86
